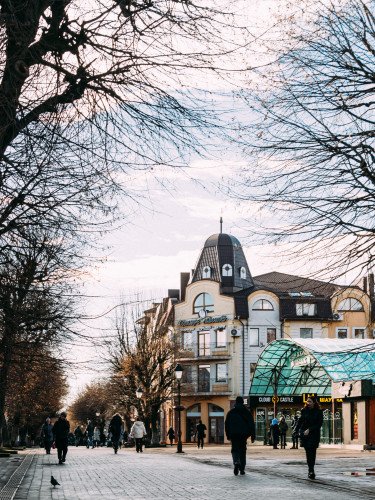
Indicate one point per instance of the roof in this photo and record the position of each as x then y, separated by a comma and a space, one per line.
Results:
285, 283
221, 239
310, 365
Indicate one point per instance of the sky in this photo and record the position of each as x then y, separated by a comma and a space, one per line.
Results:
164, 235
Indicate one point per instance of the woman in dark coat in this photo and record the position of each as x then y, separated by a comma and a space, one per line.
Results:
47, 435
308, 428
275, 433
171, 435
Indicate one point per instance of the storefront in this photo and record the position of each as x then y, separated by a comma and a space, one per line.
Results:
289, 370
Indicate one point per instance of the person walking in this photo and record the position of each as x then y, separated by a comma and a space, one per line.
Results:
90, 434
78, 435
283, 427
60, 432
294, 432
47, 435
201, 433
239, 427
275, 433
137, 432
171, 435
96, 437
115, 428
308, 429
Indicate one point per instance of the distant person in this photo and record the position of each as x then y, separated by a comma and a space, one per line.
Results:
60, 432
90, 434
96, 437
47, 435
171, 435
275, 433
115, 428
137, 432
78, 435
201, 433
294, 432
308, 429
239, 427
283, 427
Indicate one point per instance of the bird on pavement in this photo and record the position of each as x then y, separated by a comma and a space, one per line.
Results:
54, 482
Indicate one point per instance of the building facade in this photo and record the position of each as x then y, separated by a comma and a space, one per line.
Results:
225, 317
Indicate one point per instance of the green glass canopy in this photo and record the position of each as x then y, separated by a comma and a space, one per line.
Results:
297, 366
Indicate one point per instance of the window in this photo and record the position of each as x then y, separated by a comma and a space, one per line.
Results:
206, 272
342, 333
204, 343
187, 374
252, 370
227, 270
204, 302
187, 340
204, 378
221, 372
350, 304
253, 336
306, 333
359, 333
306, 309
271, 334
221, 338
262, 305
243, 273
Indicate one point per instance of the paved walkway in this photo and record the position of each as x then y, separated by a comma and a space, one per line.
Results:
160, 473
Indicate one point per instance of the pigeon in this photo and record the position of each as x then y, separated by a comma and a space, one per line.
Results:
54, 482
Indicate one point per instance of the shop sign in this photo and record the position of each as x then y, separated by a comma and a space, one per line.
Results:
203, 321
255, 400
302, 361
320, 399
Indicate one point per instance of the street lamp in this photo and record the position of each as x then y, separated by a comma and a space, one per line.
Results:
178, 374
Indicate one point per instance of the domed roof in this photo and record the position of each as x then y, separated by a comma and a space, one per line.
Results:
222, 259
221, 239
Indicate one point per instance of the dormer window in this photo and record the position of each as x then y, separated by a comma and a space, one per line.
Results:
306, 309
350, 304
206, 272
227, 270
262, 305
243, 273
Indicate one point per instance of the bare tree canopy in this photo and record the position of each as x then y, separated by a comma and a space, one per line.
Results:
313, 135
89, 90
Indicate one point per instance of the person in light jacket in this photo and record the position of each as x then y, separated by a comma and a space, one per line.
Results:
137, 432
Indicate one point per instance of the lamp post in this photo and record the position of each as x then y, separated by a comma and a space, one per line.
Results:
178, 374
139, 394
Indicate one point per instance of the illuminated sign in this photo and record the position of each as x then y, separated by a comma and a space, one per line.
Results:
302, 361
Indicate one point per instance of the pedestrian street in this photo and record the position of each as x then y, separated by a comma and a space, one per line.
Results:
161, 473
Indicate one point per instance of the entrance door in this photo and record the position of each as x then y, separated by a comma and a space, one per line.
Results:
216, 430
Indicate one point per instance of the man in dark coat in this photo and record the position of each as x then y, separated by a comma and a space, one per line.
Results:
60, 432
115, 428
201, 433
308, 428
239, 426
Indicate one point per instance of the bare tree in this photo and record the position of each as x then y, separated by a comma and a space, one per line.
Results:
142, 357
91, 92
312, 135
35, 309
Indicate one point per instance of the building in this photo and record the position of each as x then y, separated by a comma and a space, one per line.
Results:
225, 317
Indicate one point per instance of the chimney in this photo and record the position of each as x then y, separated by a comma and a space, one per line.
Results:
174, 293
184, 281
365, 284
371, 285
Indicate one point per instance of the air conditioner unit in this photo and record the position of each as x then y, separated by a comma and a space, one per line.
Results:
338, 316
235, 332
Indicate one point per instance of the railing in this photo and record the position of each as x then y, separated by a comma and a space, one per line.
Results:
205, 351
206, 386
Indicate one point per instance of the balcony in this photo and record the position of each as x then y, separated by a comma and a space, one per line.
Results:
203, 353
206, 388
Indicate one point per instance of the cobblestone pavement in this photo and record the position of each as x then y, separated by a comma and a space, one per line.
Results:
161, 474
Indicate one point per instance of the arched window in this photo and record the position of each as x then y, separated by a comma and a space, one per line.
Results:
203, 302
350, 304
206, 272
227, 270
262, 305
243, 273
